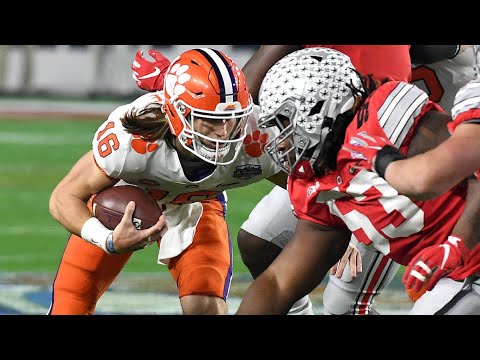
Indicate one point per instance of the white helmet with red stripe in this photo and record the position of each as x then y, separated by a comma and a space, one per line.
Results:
205, 83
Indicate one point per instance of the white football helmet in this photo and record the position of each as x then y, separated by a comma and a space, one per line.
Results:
303, 94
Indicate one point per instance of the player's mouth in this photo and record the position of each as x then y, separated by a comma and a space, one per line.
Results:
213, 145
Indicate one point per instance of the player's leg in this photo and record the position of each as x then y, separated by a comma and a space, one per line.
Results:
84, 274
355, 296
265, 233
203, 271
450, 297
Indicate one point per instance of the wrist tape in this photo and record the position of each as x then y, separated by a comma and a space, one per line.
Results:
384, 157
97, 234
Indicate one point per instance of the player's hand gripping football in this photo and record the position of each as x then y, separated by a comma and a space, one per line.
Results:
353, 258
433, 263
127, 238
149, 75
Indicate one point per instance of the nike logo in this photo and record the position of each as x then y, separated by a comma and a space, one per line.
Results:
446, 248
153, 74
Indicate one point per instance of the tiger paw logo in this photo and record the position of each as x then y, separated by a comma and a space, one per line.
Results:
142, 146
175, 79
254, 144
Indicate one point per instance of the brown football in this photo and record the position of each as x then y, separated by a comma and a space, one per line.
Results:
109, 206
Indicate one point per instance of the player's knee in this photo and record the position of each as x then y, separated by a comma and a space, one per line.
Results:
345, 300
66, 303
336, 301
204, 280
256, 253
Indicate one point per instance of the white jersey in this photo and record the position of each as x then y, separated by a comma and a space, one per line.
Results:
442, 80
157, 167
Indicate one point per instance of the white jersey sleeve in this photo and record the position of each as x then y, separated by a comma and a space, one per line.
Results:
114, 148
442, 80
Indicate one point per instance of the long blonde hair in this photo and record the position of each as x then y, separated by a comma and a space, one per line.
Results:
150, 123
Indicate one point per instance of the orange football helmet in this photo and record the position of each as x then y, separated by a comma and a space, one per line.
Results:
205, 83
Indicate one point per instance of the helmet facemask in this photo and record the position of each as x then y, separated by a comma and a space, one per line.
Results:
222, 152
282, 147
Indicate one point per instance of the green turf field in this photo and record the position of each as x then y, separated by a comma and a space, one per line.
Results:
35, 156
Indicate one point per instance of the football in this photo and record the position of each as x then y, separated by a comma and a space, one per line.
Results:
109, 206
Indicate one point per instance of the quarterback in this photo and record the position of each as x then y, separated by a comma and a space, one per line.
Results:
185, 145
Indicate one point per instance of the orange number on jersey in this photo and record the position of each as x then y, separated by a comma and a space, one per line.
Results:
157, 194
194, 196
433, 86
183, 198
109, 143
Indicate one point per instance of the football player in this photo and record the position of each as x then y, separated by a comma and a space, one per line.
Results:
429, 175
185, 145
265, 233
336, 195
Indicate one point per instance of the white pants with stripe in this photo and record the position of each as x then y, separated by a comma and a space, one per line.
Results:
450, 297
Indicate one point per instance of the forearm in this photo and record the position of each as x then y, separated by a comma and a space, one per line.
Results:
436, 171
419, 177
70, 211
68, 201
468, 226
264, 297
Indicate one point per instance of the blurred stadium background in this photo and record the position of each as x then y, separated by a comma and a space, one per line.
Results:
52, 100
84, 70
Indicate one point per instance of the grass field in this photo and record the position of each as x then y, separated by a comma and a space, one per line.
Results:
36, 154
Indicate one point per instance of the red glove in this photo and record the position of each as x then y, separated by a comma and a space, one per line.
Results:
432, 264
377, 150
149, 75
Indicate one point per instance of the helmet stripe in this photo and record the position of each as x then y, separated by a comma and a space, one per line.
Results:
224, 73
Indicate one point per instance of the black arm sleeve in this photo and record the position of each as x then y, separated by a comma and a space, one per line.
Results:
427, 54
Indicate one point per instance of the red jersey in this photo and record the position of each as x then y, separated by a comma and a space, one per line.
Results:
363, 202
382, 61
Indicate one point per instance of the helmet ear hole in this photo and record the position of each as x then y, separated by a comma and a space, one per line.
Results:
317, 108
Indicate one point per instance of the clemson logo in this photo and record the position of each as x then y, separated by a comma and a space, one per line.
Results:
175, 79
141, 146
254, 144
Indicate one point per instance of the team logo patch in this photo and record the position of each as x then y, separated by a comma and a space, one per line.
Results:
254, 144
141, 146
313, 189
246, 172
